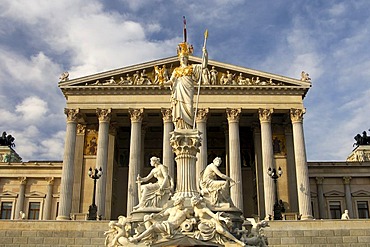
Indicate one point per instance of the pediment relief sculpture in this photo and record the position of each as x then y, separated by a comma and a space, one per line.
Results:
213, 76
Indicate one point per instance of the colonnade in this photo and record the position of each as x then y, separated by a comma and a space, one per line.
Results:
233, 152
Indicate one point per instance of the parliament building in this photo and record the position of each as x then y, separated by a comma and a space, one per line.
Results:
117, 120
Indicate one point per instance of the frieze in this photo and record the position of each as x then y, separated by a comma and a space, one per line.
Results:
156, 73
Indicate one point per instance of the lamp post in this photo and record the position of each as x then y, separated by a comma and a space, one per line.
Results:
93, 209
278, 207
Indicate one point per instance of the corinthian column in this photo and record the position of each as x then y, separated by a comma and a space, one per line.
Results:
201, 120
48, 199
65, 200
20, 199
236, 191
303, 183
347, 189
168, 155
136, 116
104, 116
267, 159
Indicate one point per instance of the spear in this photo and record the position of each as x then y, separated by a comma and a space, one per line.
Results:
200, 77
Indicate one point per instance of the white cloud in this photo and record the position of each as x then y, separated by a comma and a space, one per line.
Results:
33, 109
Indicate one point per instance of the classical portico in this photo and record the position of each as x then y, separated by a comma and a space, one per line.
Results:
244, 120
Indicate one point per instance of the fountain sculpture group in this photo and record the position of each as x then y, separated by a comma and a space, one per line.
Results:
185, 215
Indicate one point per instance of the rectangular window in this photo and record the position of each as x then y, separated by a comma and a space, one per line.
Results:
34, 211
335, 210
6, 210
363, 209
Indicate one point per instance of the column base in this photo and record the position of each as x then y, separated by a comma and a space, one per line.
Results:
63, 218
306, 217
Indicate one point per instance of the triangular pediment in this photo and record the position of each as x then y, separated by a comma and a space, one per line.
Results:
334, 193
221, 76
8, 193
35, 194
361, 193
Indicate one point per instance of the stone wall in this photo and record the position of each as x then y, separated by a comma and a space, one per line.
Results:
280, 233
52, 233
319, 233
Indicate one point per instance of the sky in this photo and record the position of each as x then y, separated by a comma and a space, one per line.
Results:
40, 39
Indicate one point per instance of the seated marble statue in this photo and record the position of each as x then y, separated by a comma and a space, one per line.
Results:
215, 191
155, 225
211, 226
154, 194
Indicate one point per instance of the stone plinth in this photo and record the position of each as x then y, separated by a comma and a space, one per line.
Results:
360, 154
185, 144
7, 154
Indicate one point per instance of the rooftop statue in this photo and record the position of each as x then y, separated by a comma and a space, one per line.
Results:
182, 83
7, 140
363, 139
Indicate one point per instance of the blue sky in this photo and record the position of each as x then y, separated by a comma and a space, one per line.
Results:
39, 39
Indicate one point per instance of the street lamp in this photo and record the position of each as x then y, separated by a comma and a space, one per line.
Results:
93, 209
278, 207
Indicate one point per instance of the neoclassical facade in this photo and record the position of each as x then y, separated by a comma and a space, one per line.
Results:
117, 120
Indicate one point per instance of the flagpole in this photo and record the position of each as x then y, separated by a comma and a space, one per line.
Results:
200, 77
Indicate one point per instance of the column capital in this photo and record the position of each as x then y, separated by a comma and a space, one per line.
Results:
50, 180
233, 115
81, 129
166, 114
72, 114
265, 114
202, 115
319, 180
104, 115
296, 115
22, 180
136, 115
347, 180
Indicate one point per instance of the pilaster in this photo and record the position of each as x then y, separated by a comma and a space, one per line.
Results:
48, 199
347, 189
321, 197
20, 200
201, 120
168, 155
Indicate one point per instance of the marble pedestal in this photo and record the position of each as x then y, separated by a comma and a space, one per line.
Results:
185, 144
